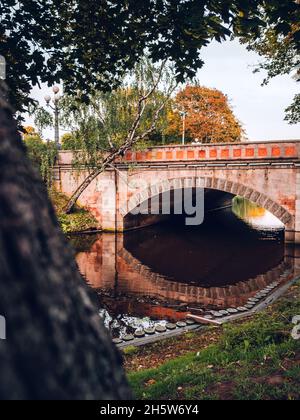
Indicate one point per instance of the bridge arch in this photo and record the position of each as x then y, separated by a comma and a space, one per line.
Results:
228, 186
227, 295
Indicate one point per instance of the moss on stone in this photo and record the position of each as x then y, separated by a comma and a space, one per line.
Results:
80, 220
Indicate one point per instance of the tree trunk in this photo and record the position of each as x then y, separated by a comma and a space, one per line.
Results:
56, 346
107, 162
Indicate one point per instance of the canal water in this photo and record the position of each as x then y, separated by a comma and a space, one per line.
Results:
160, 273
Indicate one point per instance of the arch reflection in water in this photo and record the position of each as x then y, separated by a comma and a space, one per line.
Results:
158, 272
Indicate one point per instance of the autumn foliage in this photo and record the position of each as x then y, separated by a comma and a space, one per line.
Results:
209, 117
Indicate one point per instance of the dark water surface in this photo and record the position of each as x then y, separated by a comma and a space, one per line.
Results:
160, 273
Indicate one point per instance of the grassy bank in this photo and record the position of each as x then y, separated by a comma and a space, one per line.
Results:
255, 359
79, 220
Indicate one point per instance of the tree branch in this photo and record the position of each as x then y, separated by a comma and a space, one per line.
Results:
130, 140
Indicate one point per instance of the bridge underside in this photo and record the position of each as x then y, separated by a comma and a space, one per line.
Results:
171, 205
152, 210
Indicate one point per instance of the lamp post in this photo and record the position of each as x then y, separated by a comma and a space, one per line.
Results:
183, 115
55, 99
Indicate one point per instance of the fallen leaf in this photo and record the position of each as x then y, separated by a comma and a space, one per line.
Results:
150, 382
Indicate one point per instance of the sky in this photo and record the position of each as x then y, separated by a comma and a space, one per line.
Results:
229, 68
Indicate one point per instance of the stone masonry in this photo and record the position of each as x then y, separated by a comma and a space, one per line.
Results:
267, 173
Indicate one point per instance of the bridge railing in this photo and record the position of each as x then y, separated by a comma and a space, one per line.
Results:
279, 150
216, 152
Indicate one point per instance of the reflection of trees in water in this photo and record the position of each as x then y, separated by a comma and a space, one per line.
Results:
82, 243
244, 208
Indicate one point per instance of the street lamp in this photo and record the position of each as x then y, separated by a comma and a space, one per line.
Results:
55, 99
183, 115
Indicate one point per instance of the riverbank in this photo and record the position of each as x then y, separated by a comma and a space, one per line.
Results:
254, 359
80, 220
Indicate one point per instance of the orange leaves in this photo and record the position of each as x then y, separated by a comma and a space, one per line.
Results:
30, 130
209, 116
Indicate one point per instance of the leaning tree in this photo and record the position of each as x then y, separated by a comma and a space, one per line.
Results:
120, 120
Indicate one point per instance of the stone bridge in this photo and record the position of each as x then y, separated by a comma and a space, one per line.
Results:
267, 174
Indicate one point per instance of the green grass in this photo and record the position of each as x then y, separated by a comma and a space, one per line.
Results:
79, 220
242, 365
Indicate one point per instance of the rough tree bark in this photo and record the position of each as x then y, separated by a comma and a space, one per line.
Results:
56, 346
